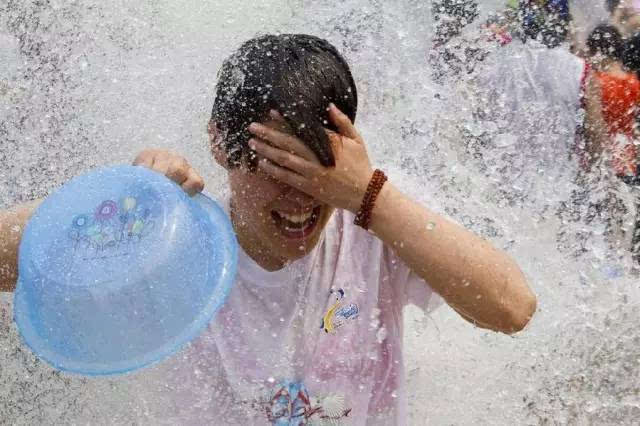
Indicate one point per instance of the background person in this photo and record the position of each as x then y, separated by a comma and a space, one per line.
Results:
612, 100
625, 16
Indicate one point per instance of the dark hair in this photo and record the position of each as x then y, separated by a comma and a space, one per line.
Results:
631, 53
611, 5
606, 40
295, 74
548, 22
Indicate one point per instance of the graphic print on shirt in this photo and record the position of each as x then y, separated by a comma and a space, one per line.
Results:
339, 313
289, 404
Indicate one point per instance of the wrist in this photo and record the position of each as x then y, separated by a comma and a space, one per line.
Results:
359, 193
374, 187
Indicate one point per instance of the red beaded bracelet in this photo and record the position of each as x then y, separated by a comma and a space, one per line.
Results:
363, 216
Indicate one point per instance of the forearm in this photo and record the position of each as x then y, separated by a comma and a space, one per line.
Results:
480, 282
12, 223
596, 130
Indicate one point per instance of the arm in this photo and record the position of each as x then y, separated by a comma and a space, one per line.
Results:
12, 222
595, 126
481, 283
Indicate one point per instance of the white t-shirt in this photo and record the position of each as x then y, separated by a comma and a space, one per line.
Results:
318, 342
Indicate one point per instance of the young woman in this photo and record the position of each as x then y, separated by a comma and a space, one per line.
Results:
330, 254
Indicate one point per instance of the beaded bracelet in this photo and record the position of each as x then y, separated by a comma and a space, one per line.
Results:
363, 216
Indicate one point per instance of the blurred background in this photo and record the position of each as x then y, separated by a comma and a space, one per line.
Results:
469, 119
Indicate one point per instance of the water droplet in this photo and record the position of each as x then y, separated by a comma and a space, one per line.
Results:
431, 226
271, 380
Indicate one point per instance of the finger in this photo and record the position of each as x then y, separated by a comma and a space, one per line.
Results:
283, 158
343, 123
337, 142
178, 170
282, 140
194, 183
161, 163
275, 115
282, 175
145, 159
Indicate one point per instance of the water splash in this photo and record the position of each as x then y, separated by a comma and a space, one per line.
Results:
87, 83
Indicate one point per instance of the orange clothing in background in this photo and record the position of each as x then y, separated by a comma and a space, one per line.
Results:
620, 97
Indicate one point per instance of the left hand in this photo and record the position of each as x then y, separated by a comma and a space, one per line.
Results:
287, 159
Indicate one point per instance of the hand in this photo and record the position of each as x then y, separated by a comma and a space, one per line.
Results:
173, 166
287, 159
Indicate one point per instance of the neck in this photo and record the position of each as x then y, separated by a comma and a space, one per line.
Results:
611, 66
252, 247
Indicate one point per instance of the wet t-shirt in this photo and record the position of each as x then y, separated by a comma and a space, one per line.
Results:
318, 342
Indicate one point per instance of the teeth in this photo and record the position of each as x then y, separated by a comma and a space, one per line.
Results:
296, 218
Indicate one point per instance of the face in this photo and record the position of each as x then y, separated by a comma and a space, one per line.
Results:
626, 17
274, 222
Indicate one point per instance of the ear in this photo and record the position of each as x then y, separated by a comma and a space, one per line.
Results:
215, 143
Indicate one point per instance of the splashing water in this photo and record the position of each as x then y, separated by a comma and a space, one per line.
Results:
89, 83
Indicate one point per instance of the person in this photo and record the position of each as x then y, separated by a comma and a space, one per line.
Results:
607, 150
624, 15
533, 78
631, 60
330, 253
612, 96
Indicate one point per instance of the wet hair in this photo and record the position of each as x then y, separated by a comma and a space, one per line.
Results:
611, 5
606, 40
296, 74
631, 53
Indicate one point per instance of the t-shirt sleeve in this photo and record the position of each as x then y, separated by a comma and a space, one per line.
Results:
408, 287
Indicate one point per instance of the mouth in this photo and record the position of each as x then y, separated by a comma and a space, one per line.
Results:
296, 226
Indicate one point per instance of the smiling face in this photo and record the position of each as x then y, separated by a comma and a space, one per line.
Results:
274, 223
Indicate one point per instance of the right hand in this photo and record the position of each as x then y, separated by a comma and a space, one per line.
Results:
173, 166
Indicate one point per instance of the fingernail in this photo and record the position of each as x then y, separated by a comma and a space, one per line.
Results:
254, 126
252, 143
332, 105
